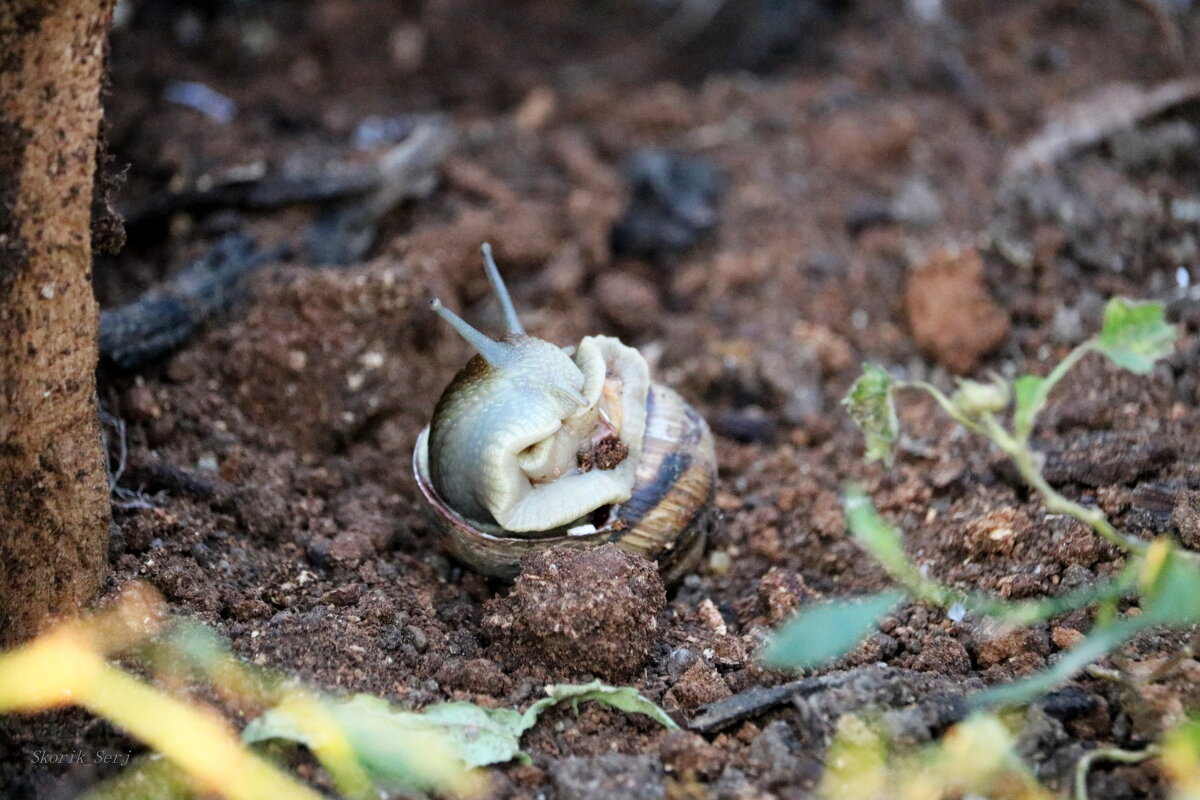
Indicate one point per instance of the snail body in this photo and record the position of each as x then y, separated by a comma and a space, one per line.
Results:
530, 447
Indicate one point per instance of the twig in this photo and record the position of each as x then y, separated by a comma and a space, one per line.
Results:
757, 700
408, 162
163, 318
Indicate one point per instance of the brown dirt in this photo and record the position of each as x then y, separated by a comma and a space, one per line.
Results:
274, 450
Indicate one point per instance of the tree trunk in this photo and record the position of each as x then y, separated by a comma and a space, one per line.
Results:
54, 498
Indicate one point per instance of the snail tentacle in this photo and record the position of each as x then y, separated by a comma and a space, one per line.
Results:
511, 320
493, 352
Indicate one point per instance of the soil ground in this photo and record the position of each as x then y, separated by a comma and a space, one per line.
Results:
868, 214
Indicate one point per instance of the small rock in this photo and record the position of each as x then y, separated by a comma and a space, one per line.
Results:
674, 201
1065, 638
679, 661
416, 637
916, 204
1069, 702
747, 425
317, 551
688, 755
867, 211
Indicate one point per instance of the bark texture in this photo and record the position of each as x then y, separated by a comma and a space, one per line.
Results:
54, 500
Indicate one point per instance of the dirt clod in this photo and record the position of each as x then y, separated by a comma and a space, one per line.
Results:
1186, 517
1010, 644
699, 685
780, 592
478, 675
608, 776
690, 756
607, 453
951, 314
944, 655
580, 611
351, 547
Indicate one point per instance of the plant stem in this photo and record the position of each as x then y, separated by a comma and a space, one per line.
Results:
1056, 503
1017, 448
946, 403
1108, 754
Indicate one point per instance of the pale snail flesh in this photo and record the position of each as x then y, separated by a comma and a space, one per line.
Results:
531, 447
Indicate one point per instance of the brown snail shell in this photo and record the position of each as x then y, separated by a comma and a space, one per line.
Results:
665, 516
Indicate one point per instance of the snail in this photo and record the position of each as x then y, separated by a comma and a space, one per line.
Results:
532, 445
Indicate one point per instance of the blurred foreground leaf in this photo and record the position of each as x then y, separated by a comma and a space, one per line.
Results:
363, 741
1181, 758
825, 631
407, 750
1170, 585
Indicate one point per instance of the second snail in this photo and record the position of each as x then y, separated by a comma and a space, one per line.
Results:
532, 445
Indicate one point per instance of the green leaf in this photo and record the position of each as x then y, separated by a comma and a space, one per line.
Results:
364, 737
1181, 758
364, 740
1030, 397
483, 736
826, 631
1135, 334
1173, 596
620, 697
870, 404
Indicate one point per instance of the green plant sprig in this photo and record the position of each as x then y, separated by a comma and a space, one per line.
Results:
1134, 336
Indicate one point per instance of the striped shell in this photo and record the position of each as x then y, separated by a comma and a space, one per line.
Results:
667, 517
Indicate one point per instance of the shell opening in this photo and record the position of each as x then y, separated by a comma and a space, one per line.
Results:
590, 460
